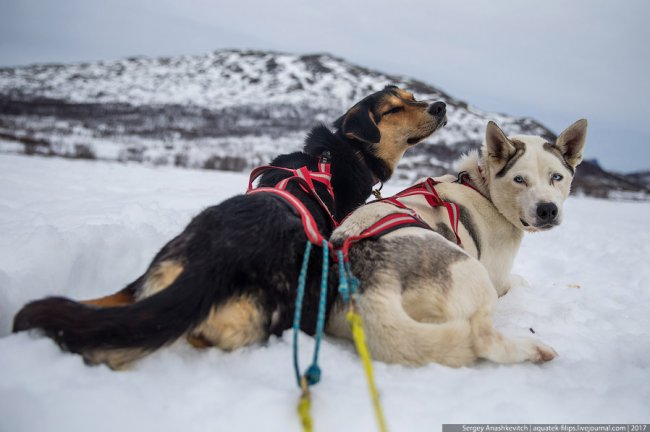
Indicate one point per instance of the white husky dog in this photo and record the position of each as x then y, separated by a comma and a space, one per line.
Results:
424, 298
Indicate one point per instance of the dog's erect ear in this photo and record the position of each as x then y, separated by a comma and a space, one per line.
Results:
572, 141
358, 123
498, 145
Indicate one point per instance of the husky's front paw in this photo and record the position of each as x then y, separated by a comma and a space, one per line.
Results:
539, 352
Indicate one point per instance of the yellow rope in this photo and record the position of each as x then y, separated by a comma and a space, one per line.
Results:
356, 323
304, 407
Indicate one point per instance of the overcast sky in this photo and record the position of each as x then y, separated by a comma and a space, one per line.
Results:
556, 61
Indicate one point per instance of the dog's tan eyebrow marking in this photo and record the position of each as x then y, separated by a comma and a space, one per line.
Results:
556, 151
405, 95
399, 93
520, 149
389, 102
406, 98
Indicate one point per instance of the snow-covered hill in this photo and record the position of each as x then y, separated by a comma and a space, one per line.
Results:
84, 229
227, 110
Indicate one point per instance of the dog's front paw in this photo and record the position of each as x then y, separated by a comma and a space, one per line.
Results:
540, 353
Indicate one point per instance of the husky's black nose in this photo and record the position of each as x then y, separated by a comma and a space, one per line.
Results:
546, 212
438, 109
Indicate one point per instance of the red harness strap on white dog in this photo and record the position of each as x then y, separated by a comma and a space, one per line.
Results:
382, 227
427, 189
465, 180
394, 221
305, 178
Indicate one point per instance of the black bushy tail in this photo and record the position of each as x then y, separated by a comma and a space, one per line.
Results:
146, 325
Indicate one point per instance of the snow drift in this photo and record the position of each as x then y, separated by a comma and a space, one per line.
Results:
84, 229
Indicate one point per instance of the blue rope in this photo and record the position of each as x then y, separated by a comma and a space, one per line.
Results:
352, 280
313, 373
298, 313
348, 283
344, 289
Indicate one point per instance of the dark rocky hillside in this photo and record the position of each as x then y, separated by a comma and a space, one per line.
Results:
231, 110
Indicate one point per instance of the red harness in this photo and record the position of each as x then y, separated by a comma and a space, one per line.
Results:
394, 221
305, 179
384, 226
427, 189
464, 179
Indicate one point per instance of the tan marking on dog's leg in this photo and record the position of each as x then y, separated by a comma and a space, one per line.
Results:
120, 298
234, 324
160, 277
490, 344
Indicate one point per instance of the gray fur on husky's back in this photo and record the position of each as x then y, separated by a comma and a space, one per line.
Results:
413, 259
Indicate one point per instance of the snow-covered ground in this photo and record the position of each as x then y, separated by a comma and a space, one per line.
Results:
84, 229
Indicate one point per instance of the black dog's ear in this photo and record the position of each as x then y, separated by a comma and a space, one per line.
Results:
358, 123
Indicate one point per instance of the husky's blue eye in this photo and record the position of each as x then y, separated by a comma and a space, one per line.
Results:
557, 177
519, 179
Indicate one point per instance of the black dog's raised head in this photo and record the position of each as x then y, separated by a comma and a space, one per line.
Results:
390, 121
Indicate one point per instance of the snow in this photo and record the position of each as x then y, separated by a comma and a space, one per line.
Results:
84, 229
218, 79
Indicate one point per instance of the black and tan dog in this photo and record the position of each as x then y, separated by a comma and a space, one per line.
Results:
228, 279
